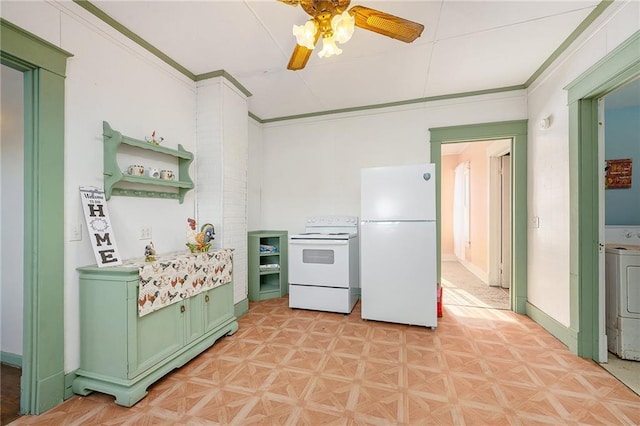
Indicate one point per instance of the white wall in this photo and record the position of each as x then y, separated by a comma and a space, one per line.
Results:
548, 172
312, 166
110, 78
222, 127
254, 176
12, 209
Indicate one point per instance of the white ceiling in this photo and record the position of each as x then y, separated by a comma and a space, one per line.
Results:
466, 46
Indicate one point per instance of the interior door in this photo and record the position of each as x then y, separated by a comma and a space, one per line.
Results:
505, 243
461, 210
602, 331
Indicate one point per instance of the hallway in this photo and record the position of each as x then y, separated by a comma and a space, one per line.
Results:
463, 288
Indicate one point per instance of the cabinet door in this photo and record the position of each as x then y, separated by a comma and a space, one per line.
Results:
104, 313
194, 315
154, 336
218, 306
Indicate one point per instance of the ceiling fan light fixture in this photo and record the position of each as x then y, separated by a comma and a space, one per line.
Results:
335, 22
306, 34
329, 47
343, 26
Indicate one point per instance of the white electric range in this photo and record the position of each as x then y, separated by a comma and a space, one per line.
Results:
324, 270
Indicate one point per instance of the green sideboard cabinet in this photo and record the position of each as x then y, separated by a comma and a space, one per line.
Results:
268, 268
121, 353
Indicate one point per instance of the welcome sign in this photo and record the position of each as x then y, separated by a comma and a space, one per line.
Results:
98, 223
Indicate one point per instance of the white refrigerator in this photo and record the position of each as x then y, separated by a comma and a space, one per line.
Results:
398, 244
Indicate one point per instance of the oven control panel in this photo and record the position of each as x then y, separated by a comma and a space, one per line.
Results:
332, 221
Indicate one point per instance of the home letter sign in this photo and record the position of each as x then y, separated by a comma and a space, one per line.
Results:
99, 226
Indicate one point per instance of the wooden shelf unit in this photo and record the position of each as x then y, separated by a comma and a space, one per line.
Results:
269, 283
112, 140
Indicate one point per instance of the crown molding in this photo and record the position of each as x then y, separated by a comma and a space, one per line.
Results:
595, 13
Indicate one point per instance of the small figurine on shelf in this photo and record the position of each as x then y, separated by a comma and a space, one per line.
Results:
153, 139
199, 242
150, 252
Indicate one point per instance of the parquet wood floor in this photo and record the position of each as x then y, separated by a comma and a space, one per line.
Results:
295, 367
10, 393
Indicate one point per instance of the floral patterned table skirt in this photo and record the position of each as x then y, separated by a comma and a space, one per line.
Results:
178, 276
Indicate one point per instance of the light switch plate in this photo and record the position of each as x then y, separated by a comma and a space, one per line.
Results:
535, 222
75, 231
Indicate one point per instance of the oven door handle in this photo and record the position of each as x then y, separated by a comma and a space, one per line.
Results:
319, 242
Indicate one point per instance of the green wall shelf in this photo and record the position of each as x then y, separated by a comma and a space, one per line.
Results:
113, 175
270, 283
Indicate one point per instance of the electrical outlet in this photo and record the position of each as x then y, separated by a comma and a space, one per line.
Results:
75, 232
145, 233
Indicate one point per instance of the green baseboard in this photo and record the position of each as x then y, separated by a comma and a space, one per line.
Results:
68, 382
11, 359
561, 332
241, 308
50, 391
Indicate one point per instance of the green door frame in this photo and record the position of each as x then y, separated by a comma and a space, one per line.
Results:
517, 132
43, 66
614, 70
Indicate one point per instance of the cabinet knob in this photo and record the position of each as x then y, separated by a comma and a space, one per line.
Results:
182, 309
206, 298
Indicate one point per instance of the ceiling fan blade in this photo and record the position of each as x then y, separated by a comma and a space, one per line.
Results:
290, 2
386, 24
301, 55
299, 58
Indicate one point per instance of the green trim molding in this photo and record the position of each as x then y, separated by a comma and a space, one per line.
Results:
68, 384
617, 68
393, 104
11, 359
565, 334
226, 75
43, 66
517, 132
572, 37
91, 8
222, 73
241, 308
26, 49
94, 10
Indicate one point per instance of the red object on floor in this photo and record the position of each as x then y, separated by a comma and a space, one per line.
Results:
439, 302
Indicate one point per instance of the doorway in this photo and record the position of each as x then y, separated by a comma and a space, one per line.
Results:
617, 68
618, 148
43, 67
516, 133
12, 232
476, 224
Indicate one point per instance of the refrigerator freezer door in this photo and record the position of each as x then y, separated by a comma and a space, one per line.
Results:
398, 193
398, 272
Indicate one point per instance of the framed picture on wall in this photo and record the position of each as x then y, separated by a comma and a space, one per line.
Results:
618, 173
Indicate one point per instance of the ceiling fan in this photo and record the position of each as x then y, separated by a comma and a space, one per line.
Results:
331, 20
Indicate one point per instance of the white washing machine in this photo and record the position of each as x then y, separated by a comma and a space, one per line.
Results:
622, 271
